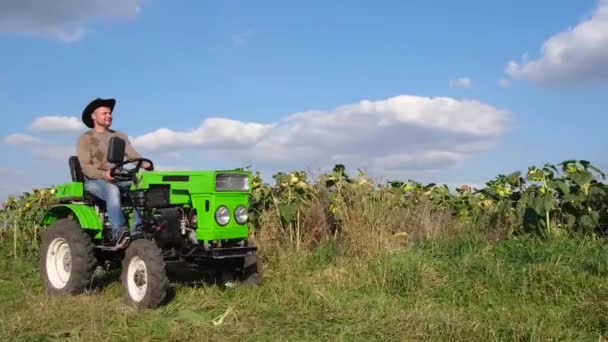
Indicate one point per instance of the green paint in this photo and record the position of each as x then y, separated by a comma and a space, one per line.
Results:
192, 189
208, 229
83, 214
71, 189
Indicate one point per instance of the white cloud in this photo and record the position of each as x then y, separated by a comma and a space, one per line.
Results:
423, 158
55, 153
462, 82
61, 19
20, 139
503, 82
171, 168
213, 131
58, 124
574, 56
396, 134
173, 155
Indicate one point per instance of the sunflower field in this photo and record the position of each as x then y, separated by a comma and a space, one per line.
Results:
550, 201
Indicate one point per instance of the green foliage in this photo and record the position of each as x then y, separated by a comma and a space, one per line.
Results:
20, 220
544, 202
551, 201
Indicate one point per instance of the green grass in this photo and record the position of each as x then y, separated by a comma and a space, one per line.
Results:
458, 290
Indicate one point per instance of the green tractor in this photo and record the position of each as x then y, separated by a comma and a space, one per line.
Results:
196, 218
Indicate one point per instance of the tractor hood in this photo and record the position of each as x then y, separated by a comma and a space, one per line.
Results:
187, 183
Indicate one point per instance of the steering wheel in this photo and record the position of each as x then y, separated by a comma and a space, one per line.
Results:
126, 175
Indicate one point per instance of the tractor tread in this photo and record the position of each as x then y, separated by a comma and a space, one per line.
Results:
82, 253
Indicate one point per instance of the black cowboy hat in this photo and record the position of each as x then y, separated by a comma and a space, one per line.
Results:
90, 108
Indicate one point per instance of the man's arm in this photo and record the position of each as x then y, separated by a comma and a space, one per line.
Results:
87, 164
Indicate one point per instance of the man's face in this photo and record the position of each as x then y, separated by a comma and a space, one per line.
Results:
102, 116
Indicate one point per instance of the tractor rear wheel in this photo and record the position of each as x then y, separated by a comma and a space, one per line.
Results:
144, 276
67, 261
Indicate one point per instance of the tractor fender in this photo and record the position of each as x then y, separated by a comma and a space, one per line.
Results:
85, 215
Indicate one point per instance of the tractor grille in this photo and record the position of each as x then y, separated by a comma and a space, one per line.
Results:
231, 182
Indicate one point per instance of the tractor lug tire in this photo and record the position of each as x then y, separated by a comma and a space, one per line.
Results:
144, 276
67, 260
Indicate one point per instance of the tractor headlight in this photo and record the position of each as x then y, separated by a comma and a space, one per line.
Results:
240, 214
231, 182
222, 215
193, 219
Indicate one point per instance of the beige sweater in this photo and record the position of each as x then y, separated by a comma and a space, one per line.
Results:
92, 150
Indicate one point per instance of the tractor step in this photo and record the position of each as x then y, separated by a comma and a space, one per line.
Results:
124, 243
111, 248
220, 253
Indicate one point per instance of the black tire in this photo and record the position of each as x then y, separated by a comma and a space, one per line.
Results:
73, 274
252, 275
153, 274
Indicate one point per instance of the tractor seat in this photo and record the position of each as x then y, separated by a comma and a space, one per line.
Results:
78, 176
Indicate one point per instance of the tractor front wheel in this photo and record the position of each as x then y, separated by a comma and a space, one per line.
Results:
252, 274
67, 261
144, 277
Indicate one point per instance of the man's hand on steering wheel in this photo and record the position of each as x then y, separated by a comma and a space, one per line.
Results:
120, 174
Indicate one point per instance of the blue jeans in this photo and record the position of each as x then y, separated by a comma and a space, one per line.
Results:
110, 193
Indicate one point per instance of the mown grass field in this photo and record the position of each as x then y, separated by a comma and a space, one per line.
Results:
458, 288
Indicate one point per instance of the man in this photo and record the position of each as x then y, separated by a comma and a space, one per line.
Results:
91, 149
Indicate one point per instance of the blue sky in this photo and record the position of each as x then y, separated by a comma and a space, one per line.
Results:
437, 91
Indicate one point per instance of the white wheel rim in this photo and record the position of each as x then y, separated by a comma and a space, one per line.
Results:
137, 279
59, 263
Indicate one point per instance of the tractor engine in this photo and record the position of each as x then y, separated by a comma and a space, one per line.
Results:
174, 228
